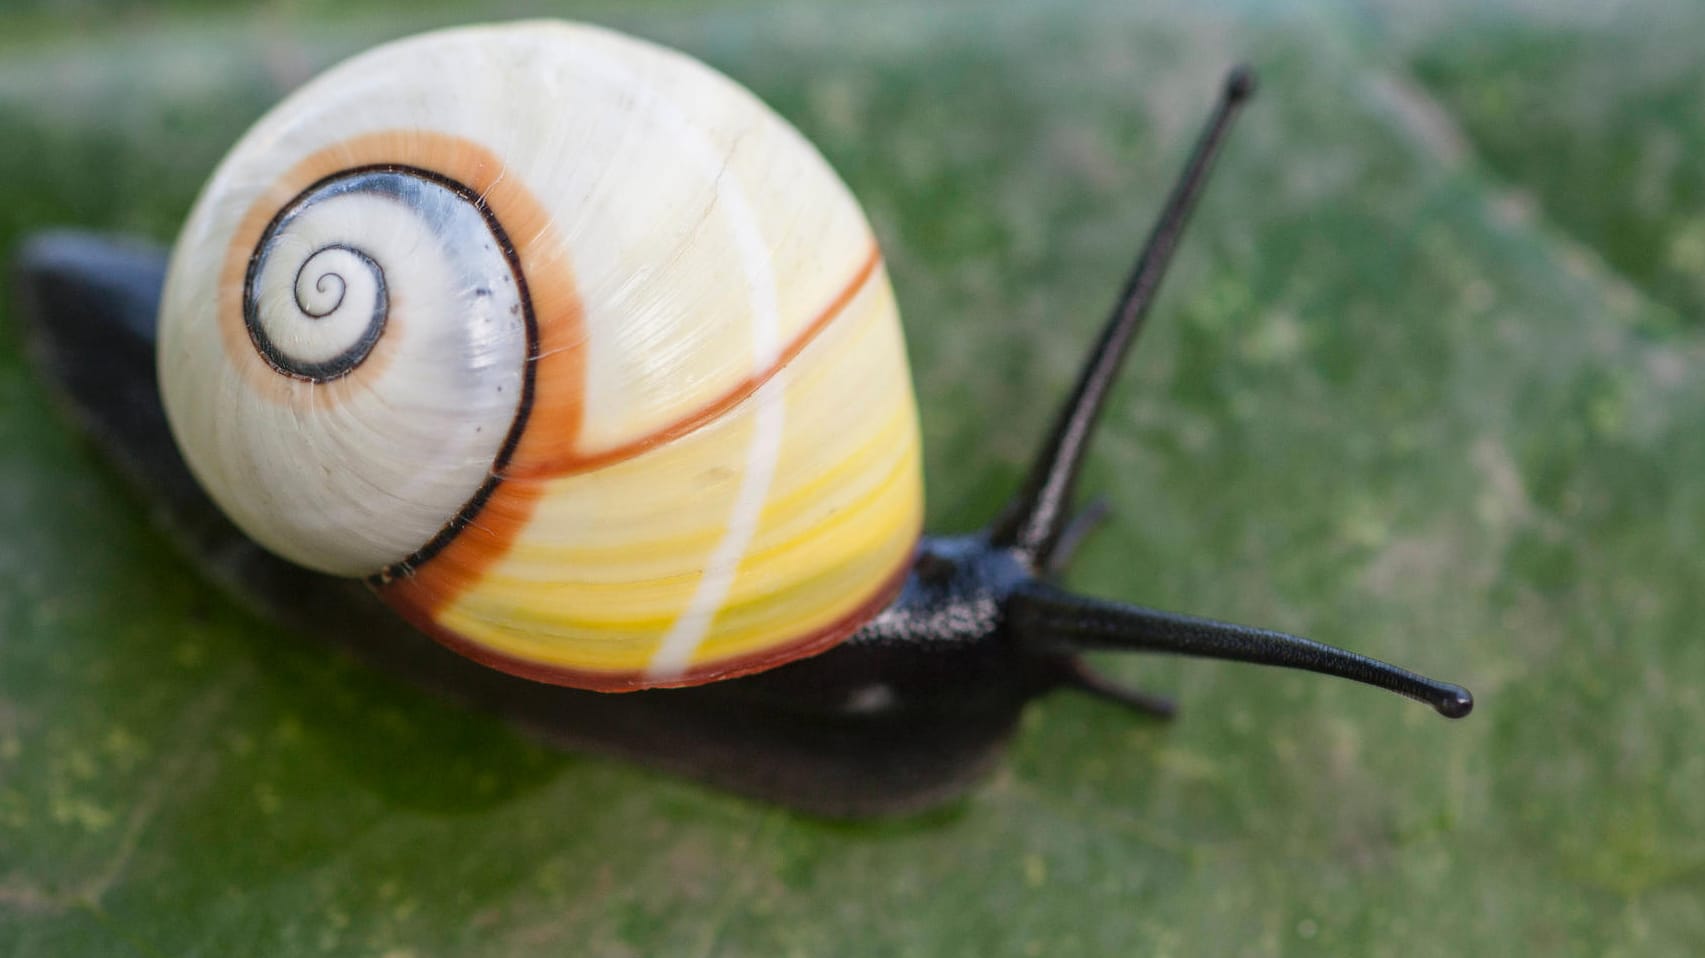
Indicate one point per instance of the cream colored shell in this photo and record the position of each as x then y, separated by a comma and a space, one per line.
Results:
634, 409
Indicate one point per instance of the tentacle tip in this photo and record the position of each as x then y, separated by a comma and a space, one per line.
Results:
1455, 703
1240, 83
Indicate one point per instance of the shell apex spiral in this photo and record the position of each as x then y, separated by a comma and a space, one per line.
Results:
566, 342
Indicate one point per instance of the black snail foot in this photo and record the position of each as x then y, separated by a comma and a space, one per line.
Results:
872, 727
905, 714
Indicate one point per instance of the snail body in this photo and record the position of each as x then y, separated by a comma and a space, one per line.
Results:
564, 350
614, 401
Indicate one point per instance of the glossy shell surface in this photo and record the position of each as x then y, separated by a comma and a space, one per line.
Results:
577, 351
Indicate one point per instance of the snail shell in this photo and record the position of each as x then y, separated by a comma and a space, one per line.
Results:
576, 351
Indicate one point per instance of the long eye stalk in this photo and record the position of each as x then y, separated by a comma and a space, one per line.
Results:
1035, 518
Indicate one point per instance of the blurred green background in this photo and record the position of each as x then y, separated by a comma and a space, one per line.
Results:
1426, 382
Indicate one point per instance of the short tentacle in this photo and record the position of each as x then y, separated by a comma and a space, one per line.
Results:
1088, 519
1075, 674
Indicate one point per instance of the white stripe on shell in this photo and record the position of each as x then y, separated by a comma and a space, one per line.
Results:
675, 653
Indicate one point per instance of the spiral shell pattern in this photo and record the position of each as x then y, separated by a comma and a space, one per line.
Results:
570, 346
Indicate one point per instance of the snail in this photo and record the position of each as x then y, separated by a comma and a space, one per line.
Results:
562, 349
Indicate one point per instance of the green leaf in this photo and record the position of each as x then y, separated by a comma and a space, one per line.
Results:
1425, 383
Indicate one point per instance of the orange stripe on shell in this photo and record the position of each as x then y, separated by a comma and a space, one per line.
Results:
438, 582
577, 462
